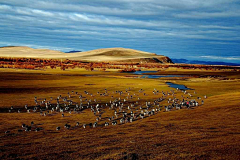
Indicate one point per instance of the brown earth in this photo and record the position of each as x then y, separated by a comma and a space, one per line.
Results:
210, 131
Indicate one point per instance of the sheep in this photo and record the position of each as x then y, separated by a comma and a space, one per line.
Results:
141, 115
121, 120
167, 108
94, 124
28, 128
23, 125
114, 123
131, 119
178, 107
67, 126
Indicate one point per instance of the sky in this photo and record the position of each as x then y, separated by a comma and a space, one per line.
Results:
189, 29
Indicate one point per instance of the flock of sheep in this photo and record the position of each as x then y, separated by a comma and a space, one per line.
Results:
126, 106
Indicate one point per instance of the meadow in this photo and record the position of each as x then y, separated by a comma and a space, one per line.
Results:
208, 131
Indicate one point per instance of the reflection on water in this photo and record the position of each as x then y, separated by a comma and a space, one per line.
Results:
143, 72
154, 76
179, 86
170, 84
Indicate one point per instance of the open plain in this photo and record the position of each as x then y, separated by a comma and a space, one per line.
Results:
120, 79
207, 131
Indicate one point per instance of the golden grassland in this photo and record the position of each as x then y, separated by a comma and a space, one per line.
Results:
105, 54
209, 131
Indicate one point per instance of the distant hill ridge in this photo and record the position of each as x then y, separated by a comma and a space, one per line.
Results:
185, 61
105, 54
73, 51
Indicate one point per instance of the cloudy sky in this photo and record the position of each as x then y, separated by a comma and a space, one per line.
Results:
190, 29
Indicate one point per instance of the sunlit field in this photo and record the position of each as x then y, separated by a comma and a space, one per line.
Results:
89, 100
119, 80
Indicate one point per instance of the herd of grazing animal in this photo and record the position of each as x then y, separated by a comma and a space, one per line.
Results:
125, 106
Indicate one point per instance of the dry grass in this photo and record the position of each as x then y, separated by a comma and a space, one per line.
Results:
210, 131
106, 54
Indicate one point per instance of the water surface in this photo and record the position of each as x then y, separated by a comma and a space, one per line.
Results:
154, 76
179, 86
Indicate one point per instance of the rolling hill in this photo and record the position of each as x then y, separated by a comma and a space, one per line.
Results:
106, 54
